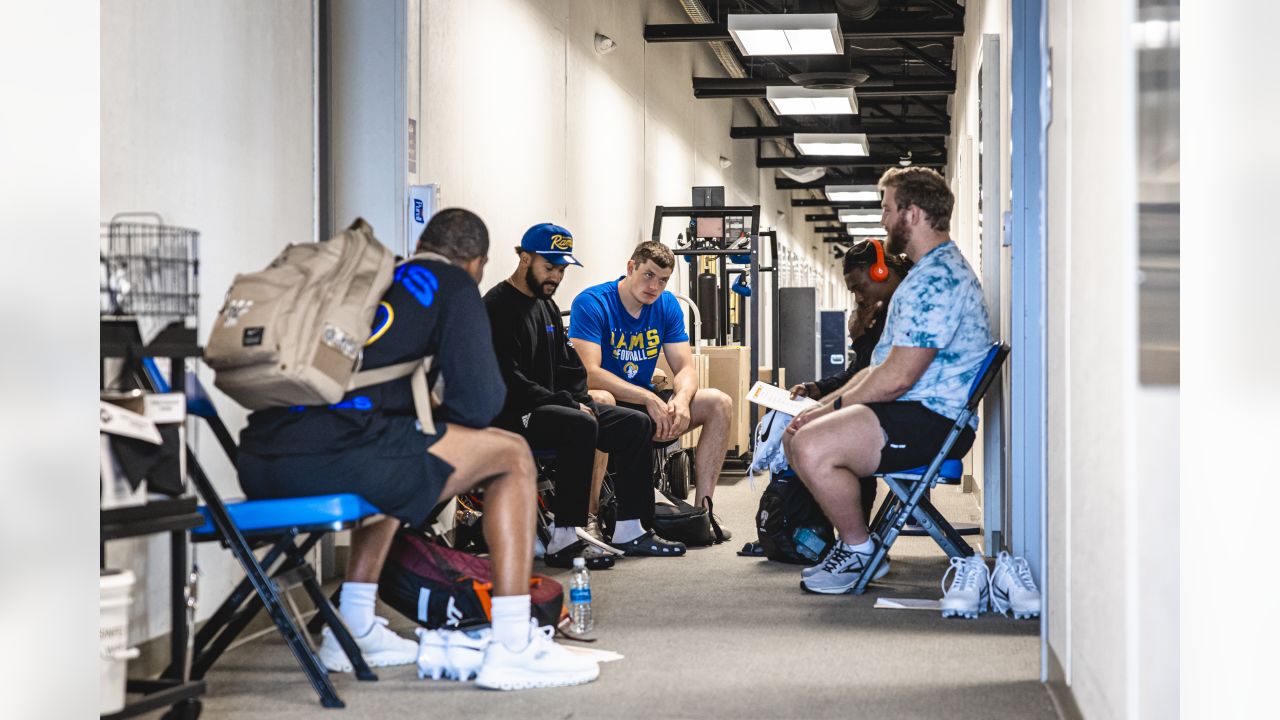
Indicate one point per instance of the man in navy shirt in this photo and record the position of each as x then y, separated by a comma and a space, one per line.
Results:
372, 444
618, 329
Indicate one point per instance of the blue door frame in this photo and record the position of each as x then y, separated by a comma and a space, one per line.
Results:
1029, 124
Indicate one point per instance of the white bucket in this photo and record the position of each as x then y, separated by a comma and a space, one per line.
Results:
113, 633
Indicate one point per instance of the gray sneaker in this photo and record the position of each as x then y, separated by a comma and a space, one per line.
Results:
840, 572
813, 569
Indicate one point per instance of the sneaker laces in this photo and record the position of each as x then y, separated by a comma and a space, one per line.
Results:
836, 557
1020, 573
967, 575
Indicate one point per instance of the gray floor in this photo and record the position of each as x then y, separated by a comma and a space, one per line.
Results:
714, 635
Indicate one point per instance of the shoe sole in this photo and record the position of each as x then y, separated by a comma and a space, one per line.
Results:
879, 573
847, 590
332, 665
526, 683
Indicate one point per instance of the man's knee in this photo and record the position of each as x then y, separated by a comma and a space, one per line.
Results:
720, 403
602, 397
512, 452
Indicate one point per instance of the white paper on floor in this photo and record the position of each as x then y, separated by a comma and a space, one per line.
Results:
597, 655
907, 604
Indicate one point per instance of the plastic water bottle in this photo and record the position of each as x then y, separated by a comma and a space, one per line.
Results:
580, 598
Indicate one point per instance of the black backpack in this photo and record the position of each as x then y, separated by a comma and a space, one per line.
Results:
791, 525
678, 521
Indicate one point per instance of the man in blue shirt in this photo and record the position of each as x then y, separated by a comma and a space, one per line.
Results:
618, 329
895, 414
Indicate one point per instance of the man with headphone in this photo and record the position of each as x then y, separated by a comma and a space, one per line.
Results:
895, 414
872, 277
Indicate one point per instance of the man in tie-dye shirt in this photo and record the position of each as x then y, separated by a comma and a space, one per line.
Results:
895, 414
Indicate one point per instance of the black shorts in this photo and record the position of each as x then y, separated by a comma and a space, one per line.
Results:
914, 434
666, 397
396, 474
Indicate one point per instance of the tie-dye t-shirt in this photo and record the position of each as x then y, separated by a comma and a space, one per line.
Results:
940, 305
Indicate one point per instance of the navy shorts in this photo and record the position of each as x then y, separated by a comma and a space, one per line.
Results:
396, 473
914, 434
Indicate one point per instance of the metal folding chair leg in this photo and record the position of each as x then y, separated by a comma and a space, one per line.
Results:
297, 563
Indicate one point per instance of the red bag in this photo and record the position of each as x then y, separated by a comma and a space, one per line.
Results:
442, 587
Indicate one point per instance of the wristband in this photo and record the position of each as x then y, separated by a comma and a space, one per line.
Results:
839, 403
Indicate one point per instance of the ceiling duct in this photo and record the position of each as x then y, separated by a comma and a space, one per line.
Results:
698, 14
829, 80
857, 9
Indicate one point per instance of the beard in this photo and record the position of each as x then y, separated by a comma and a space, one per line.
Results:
899, 237
540, 290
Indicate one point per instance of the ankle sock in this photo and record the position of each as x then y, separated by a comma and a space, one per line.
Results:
356, 602
511, 615
864, 548
561, 538
627, 530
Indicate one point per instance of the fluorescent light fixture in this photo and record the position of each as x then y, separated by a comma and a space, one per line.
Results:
842, 144
787, 34
792, 100
858, 216
853, 193
867, 231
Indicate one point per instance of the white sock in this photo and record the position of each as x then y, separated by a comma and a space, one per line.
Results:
561, 538
864, 548
355, 604
511, 615
627, 530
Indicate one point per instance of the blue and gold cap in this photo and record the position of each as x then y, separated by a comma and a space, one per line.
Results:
551, 242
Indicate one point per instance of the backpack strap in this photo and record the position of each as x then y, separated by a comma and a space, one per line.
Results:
416, 371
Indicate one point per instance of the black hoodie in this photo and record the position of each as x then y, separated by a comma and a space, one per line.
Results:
537, 362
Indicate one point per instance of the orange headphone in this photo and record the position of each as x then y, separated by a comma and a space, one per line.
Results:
878, 272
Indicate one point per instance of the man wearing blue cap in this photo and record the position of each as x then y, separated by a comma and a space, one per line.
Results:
548, 403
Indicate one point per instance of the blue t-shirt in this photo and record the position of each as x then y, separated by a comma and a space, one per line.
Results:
939, 305
628, 345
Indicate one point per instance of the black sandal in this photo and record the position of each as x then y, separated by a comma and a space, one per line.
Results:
564, 557
650, 545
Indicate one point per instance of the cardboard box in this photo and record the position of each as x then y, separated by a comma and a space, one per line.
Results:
729, 370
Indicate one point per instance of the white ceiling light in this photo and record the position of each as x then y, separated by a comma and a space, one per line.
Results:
853, 193
842, 144
789, 34
792, 100
867, 231
858, 216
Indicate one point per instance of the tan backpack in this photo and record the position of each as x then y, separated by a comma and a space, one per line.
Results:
293, 333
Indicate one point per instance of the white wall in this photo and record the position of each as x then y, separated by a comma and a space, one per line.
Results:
549, 130
207, 119
1109, 598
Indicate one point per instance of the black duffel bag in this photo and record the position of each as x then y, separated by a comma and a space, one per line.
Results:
678, 521
791, 525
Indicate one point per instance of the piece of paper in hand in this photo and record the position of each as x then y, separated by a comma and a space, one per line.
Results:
776, 398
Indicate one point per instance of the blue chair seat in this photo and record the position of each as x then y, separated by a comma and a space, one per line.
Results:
949, 473
317, 512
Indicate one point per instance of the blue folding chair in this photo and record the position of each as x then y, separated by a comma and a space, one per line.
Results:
290, 528
909, 488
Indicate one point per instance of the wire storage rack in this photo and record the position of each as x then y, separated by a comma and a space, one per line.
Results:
148, 269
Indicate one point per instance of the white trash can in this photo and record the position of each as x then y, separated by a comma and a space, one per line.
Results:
116, 587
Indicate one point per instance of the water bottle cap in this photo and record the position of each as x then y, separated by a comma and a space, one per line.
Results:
579, 562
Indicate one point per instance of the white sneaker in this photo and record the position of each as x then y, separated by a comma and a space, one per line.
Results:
380, 648
813, 569
432, 662
969, 591
840, 571
1013, 588
542, 663
465, 652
